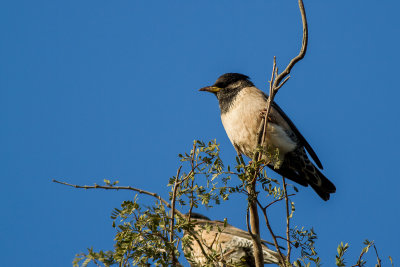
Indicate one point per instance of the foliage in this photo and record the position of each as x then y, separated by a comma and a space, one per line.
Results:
153, 235
305, 241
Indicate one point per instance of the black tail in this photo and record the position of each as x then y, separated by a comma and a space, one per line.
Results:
323, 187
298, 168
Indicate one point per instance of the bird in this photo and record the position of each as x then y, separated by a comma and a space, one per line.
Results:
242, 106
232, 246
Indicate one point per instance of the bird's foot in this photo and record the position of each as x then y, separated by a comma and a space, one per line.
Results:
262, 114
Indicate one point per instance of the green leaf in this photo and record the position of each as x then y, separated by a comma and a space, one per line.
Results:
297, 263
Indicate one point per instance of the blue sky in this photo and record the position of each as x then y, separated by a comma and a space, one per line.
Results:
108, 89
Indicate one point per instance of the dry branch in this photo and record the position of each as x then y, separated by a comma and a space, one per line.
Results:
171, 233
277, 81
289, 247
140, 191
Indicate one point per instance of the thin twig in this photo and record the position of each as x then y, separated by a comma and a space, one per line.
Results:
303, 49
171, 233
289, 247
275, 85
280, 237
247, 223
192, 183
273, 235
284, 81
260, 135
377, 256
95, 262
277, 200
176, 185
140, 191
205, 254
360, 260
264, 133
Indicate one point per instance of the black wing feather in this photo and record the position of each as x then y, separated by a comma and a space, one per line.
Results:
302, 140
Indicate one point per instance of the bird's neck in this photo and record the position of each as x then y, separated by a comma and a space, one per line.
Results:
226, 97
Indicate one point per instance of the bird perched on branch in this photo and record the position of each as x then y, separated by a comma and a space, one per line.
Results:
242, 106
228, 244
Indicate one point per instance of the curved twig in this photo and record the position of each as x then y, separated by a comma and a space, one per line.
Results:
303, 49
277, 81
272, 234
276, 84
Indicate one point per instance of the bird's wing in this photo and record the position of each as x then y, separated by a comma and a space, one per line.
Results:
234, 241
227, 229
300, 137
243, 240
244, 234
231, 230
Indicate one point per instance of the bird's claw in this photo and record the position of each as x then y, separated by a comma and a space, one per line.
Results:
262, 114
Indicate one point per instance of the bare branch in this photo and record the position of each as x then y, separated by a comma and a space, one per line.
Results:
379, 264
303, 49
272, 234
277, 200
269, 101
284, 81
247, 223
171, 233
140, 191
289, 247
192, 183
255, 225
275, 85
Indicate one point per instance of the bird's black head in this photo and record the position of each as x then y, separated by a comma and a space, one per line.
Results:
232, 80
227, 82
227, 87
